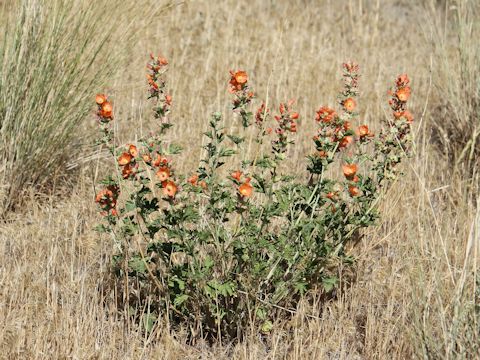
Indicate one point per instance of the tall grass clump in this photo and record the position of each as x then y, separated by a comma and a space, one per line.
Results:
53, 53
446, 318
455, 35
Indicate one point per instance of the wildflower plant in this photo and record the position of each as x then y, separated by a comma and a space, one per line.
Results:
222, 248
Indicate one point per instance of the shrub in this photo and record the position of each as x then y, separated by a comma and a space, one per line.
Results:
217, 250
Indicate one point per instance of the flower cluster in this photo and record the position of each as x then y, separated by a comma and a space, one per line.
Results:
105, 108
194, 181
127, 161
156, 68
105, 117
399, 99
350, 92
243, 95
244, 188
394, 141
336, 131
350, 79
334, 134
164, 174
261, 115
286, 122
350, 173
325, 115
107, 200
136, 162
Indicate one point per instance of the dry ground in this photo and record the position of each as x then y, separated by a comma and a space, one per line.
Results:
415, 291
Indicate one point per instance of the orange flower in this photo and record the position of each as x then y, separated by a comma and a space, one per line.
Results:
236, 175
132, 149
331, 195
107, 199
163, 173
408, 115
351, 67
322, 154
363, 131
349, 104
168, 99
128, 170
349, 170
100, 99
241, 77
245, 189
170, 189
238, 80
107, 109
162, 61
160, 160
295, 116
147, 158
293, 127
193, 179
325, 114
402, 80
104, 195
353, 190
203, 185
99, 196
403, 93
398, 114
347, 125
346, 140
125, 159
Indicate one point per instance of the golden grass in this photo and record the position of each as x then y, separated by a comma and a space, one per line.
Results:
415, 291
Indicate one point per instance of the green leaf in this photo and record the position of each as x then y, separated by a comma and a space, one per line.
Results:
329, 283
137, 264
267, 326
261, 313
174, 149
149, 321
130, 206
102, 228
208, 263
301, 287
265, 163
179, 300
226, 152
236, 139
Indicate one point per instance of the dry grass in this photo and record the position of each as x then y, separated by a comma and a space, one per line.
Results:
415, 291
